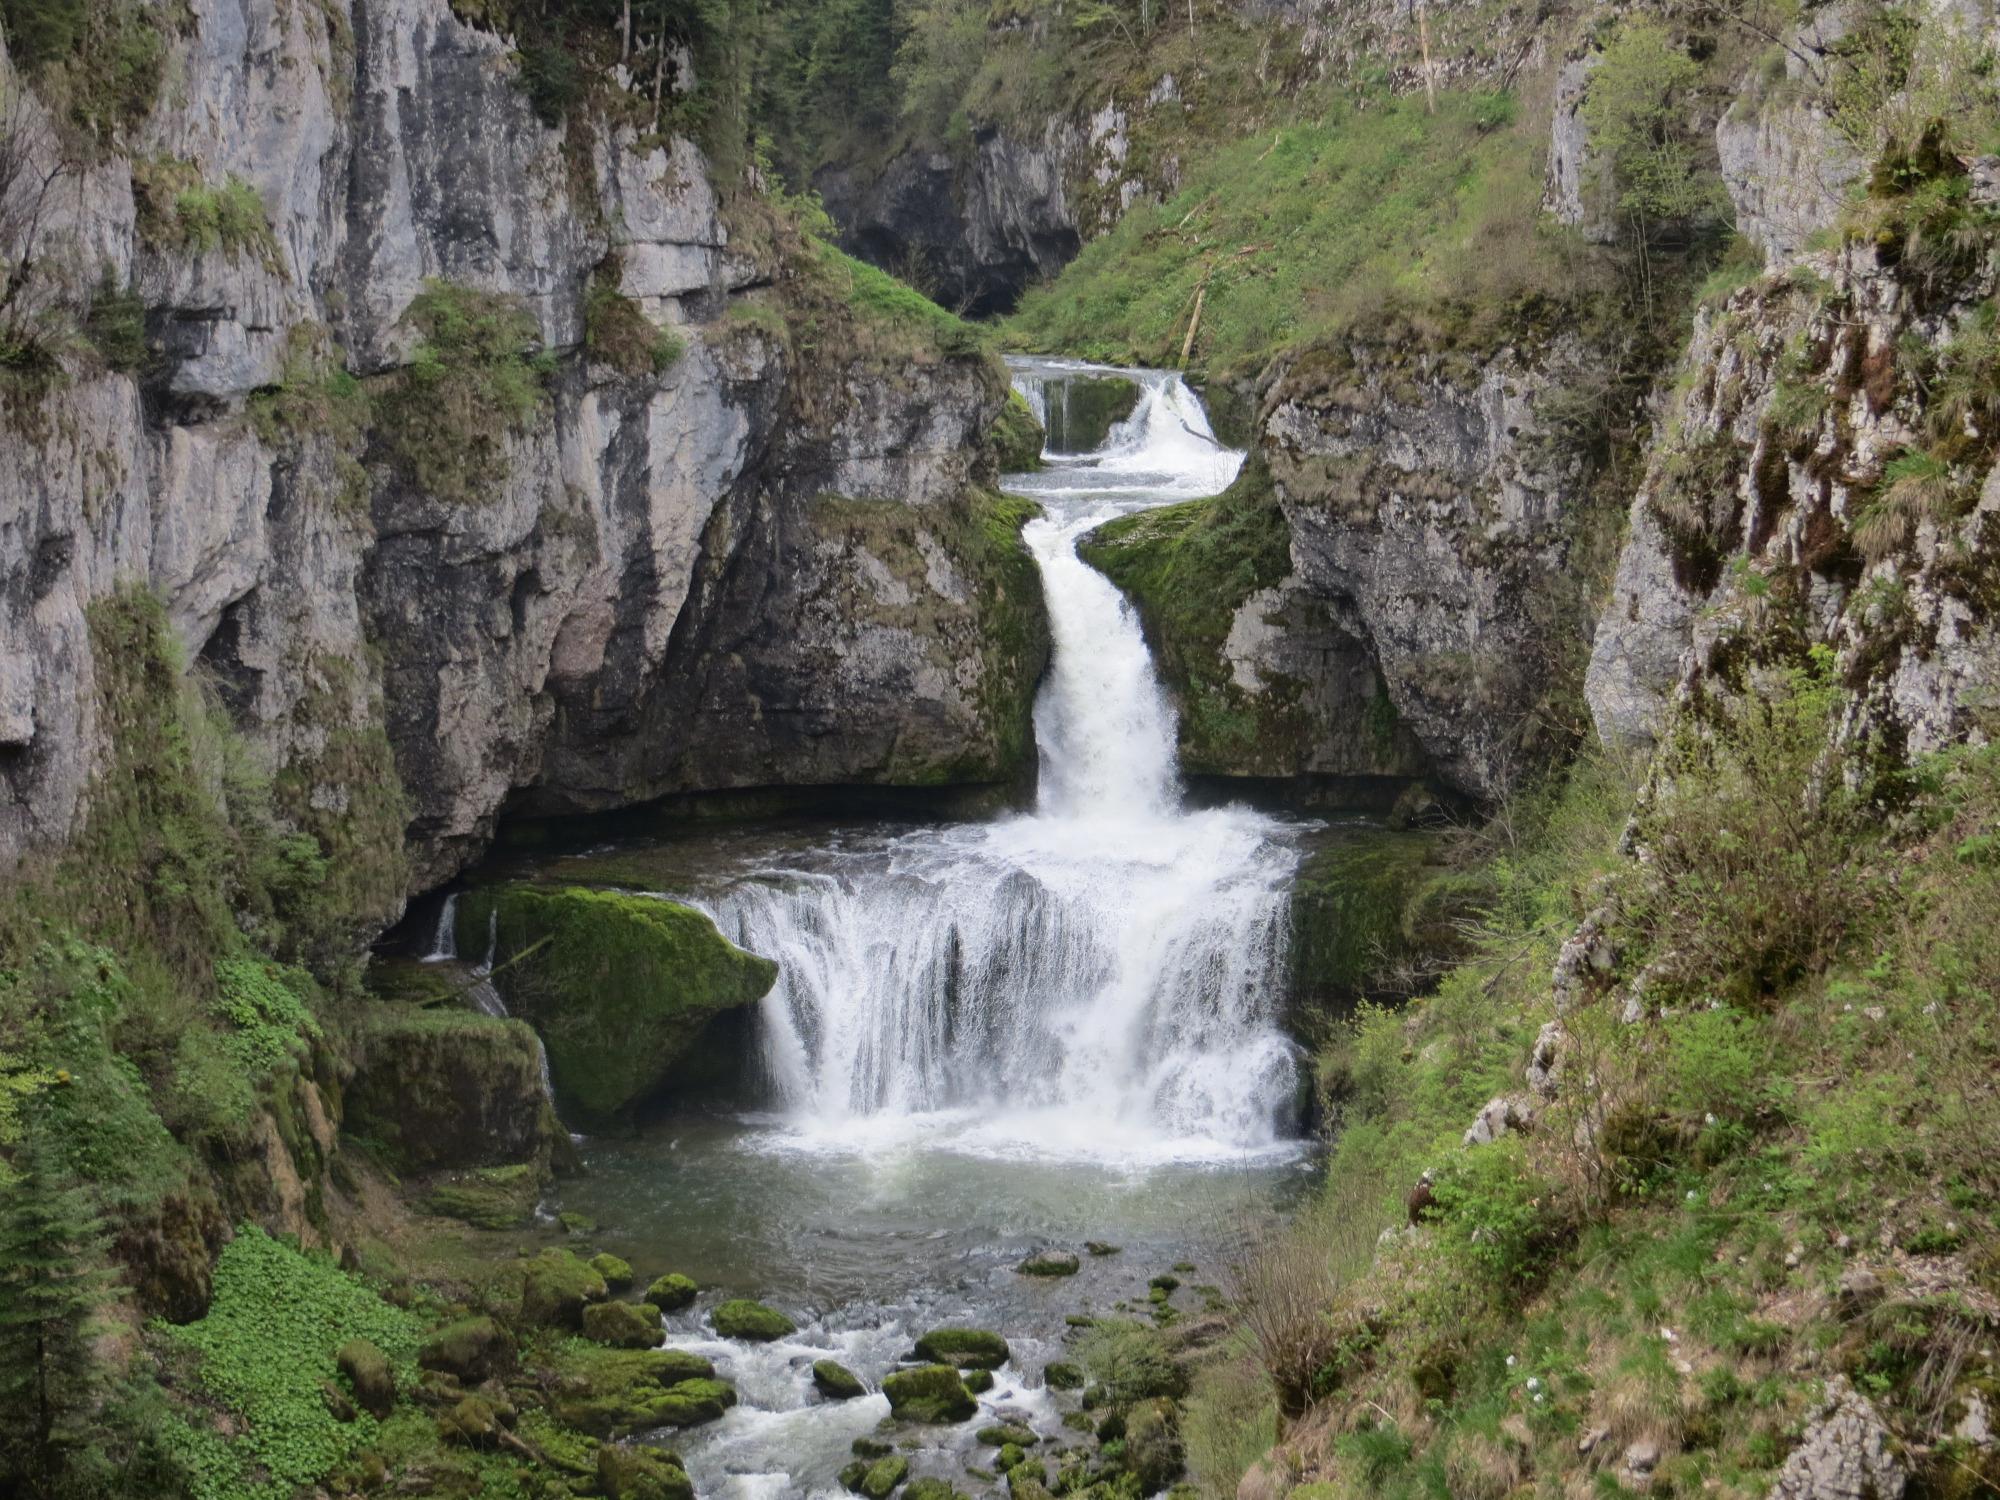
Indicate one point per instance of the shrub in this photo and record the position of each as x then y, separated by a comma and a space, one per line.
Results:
115, 326
1502, 1213
477, 375
178, 210
616, 331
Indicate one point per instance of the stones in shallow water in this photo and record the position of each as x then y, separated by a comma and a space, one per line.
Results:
1003, 1433
835, 1381
672, 1292
694, 1402
740, 1318
928, 1488
967, 1348
605, 1392
1050, 1263
930, 1393
555, 1287
622, 1325
1062, 1377
617, 1273
878, 1479
1100, 1247
979, 1382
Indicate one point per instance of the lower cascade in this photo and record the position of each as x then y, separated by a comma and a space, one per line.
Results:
1099, 978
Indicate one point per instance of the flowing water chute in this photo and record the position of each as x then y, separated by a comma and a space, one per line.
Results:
1100, 978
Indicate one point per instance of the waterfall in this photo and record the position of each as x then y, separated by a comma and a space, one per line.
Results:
444, 942
483, 992
1100, 977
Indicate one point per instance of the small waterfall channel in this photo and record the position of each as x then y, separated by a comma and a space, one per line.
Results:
482, 991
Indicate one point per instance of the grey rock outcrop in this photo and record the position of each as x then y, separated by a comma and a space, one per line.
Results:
1432, 503
657, 573
1846, 1454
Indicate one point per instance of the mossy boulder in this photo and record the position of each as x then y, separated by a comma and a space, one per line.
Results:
740, 1318
929, 1488
1362, 906
472, 1349
1082, 410
1050, 1263
672, 1292
979, 1382
1003, 1434
641, 1474
930, 1393
967, 1348
617, 1273
369, 1376
622, 1325
473, 1422
606, 1392
693, 1402
618, 985
835, 1381
1061, 1376
555, 1289
446, 1087
489, 1197
1016, 437
877, 1480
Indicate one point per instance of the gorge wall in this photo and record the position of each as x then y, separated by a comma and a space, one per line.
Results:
539, 567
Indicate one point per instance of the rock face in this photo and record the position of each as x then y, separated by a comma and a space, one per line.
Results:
563, 633
975, 235
1768, 521
1847, 1454
1435, 511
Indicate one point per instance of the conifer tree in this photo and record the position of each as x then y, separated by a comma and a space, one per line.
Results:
55, 1284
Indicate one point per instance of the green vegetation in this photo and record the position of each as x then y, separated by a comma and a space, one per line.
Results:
618, 332
740, 1318
179, 211
317, 399
269, 1339
619, 986
98, 63
476, 377
1640, 113
1298, 232
1189, 568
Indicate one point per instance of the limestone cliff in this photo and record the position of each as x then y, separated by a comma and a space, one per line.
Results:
407, 552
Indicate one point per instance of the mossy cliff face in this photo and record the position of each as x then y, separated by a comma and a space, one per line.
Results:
619, 986
437, 534
1267, 681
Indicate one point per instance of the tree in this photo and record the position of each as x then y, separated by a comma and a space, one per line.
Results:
55, 1285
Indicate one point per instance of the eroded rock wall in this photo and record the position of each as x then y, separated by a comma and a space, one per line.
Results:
367, 632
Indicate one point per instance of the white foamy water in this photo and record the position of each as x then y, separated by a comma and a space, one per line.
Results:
1097, 980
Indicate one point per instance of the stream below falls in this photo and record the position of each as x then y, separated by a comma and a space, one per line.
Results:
987, 1039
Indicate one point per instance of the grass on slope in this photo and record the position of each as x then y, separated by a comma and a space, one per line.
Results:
1296, 231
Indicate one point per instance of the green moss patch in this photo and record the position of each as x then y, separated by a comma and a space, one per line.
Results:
269, 1340
619, 986
1364, 907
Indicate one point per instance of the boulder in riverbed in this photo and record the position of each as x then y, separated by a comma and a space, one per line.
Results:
740, 1318
672, 1292
967, 1348
622, 1325
1050, 1263
835, 1381
930, 1393
555, 1287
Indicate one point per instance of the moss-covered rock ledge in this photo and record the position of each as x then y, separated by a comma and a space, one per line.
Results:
1268, 681
619, 986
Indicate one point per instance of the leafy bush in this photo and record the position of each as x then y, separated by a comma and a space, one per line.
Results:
1502, 1212
616, 331
178, 210
477, 375
1639, 111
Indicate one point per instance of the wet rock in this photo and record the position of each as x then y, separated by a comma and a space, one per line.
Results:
622, 1325
1062, 1376
929, 1488
672, 1292
1846, 1454
932, 1394
489, 1197
1101, 1247
606, 1392
966, 1348
1003, 1433
979, 1382
617, 1273
1050, 1263
641, 1474
866, 1447
875, 1480
693, 1402
555, 1288
1010, 1457
741, 1318
471, 1349
1544, 1059
368, 1376
836, 1382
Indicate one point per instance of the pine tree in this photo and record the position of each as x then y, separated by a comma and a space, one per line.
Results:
55, 1284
